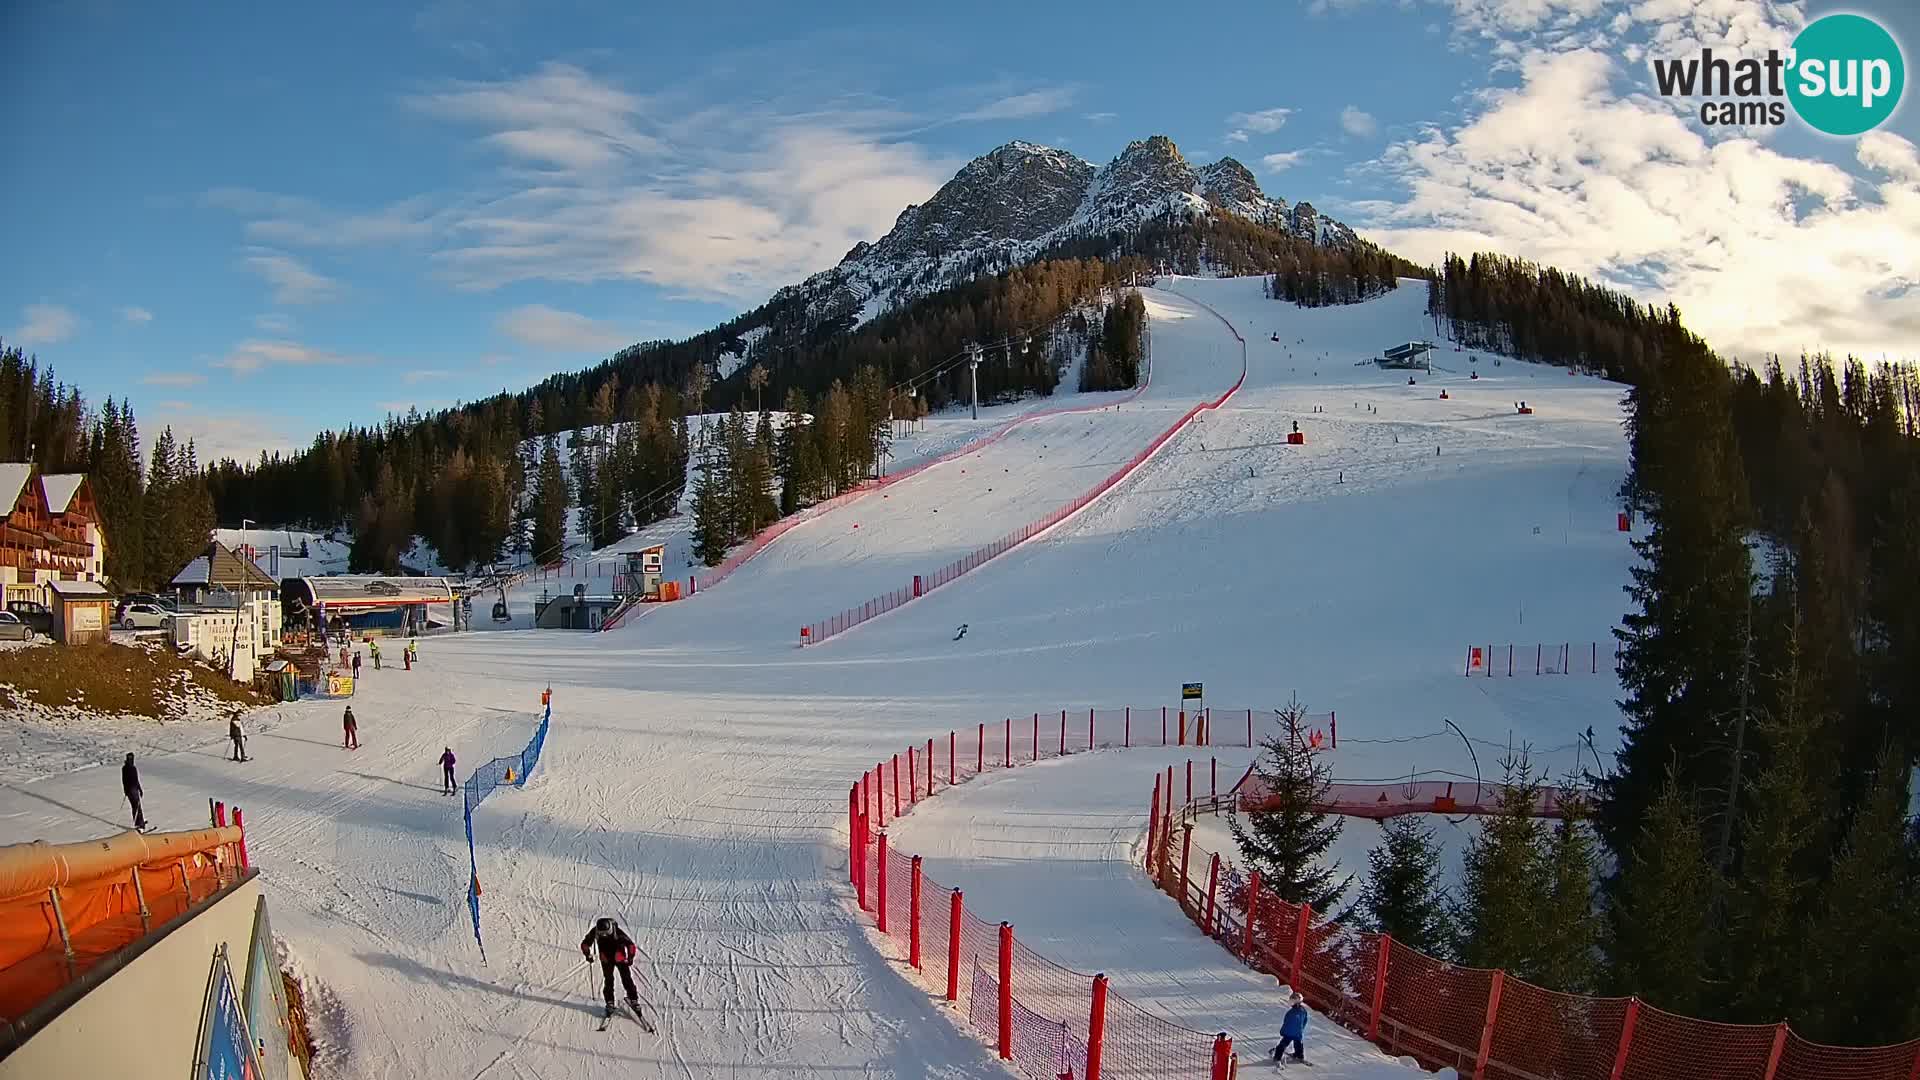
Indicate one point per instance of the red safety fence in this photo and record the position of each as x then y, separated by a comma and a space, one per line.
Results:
1047, 1020
816, 632
1543, 658
1484, 1024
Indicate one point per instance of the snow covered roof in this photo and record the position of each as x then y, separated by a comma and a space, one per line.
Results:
13, 477
194, 573
376, 591
79, 588
224, 568
60, 489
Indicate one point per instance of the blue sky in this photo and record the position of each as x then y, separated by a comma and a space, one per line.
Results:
259, 221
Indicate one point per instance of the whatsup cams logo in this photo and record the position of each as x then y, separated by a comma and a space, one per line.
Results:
1844, 75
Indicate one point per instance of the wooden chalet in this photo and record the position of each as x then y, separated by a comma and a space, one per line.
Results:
52, 532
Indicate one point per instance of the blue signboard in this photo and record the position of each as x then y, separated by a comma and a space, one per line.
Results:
226, 1051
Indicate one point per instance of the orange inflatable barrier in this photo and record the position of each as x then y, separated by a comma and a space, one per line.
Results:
65, 907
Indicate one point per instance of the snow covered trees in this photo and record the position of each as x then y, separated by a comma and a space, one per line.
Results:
1288, 839
1114, 354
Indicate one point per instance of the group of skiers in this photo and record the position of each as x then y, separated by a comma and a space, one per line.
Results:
409, 653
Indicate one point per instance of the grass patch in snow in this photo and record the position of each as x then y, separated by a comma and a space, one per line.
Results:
117, 680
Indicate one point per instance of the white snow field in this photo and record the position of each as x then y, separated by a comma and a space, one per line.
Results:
696, 778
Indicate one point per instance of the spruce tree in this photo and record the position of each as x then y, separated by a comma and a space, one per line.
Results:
710, 531
550, 502
1507, 881
1288, 839
1403, 894
1683, 650
166, 557
1767, 905
1570, 941
1863, 945
1661, 925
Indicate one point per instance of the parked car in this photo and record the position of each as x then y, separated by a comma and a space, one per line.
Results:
12, 629
34, 614
143, 617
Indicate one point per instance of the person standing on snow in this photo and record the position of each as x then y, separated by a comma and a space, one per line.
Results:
350, 731
446, 772
616, 950
1293, 1029
356, 665
374, 648
239, 736
130, 783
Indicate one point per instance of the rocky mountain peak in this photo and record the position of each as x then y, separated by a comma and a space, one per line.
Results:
1018, 201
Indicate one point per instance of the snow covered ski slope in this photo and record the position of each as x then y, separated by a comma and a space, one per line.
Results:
695, 781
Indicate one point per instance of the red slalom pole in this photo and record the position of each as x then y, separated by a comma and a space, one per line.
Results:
882, 878
913, 917
955, 915
930, 767
913, 777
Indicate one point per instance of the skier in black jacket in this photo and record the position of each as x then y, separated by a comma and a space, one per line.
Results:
617, 950
130, 783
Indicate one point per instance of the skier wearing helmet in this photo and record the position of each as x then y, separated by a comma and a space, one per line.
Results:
616, 950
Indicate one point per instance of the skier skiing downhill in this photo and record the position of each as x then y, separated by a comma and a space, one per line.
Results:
616, 950
1293, 1029
446, 772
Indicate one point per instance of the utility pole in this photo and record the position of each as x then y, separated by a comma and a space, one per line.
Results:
973, 374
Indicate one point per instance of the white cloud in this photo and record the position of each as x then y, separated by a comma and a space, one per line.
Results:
1040, 102
44, 324
173, 378
251, 355
295, 221
1762, 251
413, 378
293, 281
1100, 117
240, 436
136, 315
274, 322
560, 331
1278, 163
1357, 123
1264, 122
1236, 136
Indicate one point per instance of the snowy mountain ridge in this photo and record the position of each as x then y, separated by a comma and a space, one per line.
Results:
1011, 205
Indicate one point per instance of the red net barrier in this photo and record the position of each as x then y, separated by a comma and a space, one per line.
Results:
1487, 1023
820, 631
1050, 1008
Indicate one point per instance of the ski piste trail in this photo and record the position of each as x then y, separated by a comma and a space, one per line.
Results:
695, 780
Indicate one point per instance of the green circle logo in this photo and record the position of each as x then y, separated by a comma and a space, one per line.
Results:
1847, 74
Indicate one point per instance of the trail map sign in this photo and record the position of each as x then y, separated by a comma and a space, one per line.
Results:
1190, 691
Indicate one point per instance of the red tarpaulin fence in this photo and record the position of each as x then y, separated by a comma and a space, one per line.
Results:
1485, 1024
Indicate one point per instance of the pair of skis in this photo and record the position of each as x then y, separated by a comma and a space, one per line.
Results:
632, 1009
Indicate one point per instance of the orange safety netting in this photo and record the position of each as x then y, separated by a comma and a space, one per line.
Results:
106, 894
1489, 1024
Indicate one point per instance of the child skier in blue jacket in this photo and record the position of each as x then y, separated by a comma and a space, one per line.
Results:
1293, 1029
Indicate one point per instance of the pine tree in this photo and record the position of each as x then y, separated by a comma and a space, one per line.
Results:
550, 502
1288, 839
710, 532
1863, 945
1683, 651
1661, 923
583, 467
1403, 894
165, 555
1768, 903
1507, 881
1570, 941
